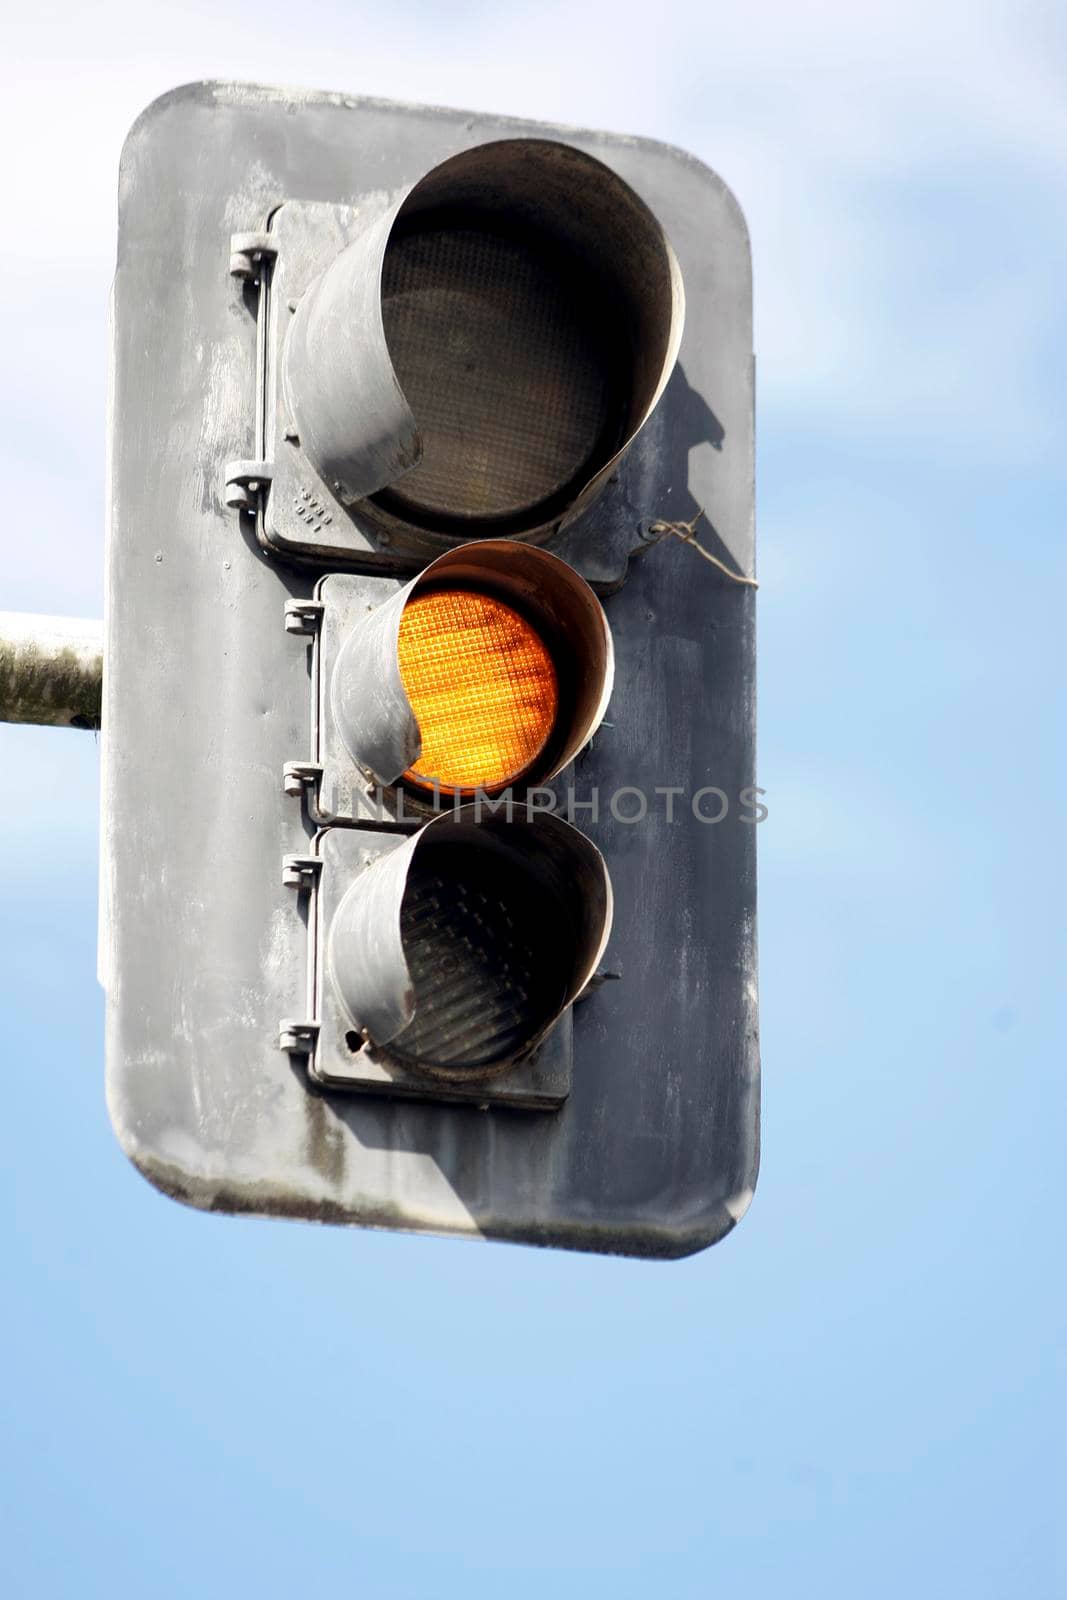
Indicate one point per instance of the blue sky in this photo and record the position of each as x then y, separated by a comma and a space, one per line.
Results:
862, 1388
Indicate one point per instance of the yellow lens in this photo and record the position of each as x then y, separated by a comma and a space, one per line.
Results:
483, 688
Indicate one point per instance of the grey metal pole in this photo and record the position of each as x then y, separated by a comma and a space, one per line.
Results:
50, 670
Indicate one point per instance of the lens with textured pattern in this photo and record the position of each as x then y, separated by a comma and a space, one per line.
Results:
500, 348
488, 953
482, 686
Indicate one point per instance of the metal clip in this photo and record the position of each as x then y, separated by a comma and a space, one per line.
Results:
244, 482
248, 251
300, 775
301, 872
303, 616
298, 1037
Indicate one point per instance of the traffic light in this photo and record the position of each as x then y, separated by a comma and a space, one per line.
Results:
429, 857
502, 329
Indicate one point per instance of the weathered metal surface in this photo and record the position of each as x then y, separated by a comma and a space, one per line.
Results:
51, 670
655, 1150
335, 366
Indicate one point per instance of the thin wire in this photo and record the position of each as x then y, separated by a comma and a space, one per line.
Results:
686, 532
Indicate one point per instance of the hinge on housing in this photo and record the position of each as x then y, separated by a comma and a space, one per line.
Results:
301, 872
300, 775
244, 483
298, 1037
248, 251
303, 616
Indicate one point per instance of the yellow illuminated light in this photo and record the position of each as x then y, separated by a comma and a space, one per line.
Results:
483, 688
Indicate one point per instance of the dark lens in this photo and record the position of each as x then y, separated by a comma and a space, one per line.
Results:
502, 347
489, 956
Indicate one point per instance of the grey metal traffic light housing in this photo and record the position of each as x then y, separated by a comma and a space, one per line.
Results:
518, 286
363, 742
638, 1114
444, 960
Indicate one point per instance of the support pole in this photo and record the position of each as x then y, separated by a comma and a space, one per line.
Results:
50, 670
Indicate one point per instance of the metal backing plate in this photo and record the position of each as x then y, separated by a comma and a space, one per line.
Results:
204, 950
540, 1083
